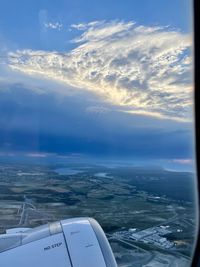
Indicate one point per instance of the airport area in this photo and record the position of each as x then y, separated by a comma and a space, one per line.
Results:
152, 235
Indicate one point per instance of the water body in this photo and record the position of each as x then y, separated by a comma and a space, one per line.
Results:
67, 171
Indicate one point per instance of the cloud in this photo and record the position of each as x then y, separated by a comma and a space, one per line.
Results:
33, 122
184, 161
37, 155
139, 69
96, 31
84, 26
53, 25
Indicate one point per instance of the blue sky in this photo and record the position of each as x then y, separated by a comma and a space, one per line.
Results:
108, 79
22, 21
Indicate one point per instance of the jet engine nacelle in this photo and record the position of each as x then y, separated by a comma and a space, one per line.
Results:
77, 242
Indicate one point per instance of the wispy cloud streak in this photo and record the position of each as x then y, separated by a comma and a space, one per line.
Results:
53, 25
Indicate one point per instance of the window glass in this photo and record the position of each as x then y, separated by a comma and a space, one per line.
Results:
96, 119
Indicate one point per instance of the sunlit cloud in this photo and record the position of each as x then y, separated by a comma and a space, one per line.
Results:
139, 69
184, 161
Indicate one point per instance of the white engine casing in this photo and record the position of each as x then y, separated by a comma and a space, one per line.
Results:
77, 242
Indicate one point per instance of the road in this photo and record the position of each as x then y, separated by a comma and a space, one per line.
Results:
28, 210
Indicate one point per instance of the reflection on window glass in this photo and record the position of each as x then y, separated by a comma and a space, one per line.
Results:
96, 119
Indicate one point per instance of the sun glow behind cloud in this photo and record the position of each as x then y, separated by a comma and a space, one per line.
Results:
139, 69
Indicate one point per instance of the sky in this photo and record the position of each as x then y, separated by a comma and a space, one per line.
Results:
97, 79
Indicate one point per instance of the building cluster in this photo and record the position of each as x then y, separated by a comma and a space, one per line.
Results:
154, 235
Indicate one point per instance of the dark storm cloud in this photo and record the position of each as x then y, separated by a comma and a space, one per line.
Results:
35, 121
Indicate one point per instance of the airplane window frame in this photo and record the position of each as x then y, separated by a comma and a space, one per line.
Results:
196, 21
